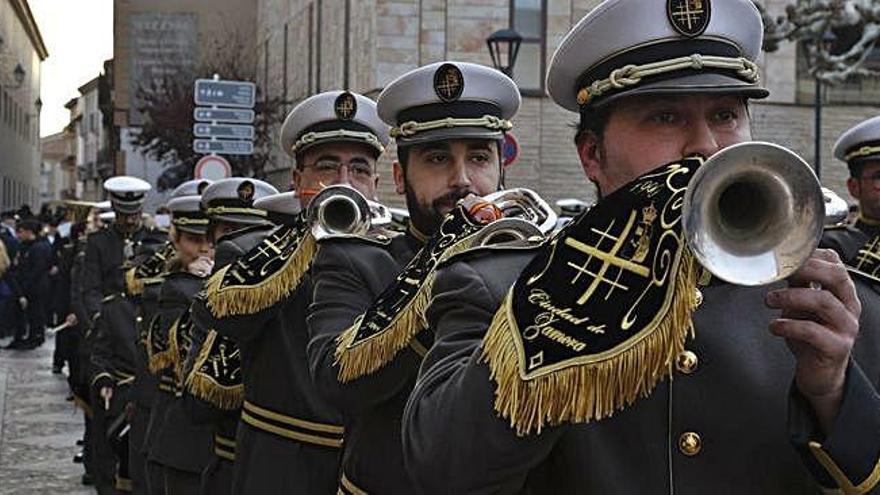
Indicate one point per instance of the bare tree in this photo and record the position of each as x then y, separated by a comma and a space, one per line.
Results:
167, 105
854, 24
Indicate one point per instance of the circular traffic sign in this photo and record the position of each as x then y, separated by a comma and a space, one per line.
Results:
509, 150
212, 167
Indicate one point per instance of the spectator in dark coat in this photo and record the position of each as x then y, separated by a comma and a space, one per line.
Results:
32, 275
9, 313
9, 293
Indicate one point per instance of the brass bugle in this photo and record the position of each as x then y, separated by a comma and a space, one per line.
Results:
342, 210
754, 212
524, 215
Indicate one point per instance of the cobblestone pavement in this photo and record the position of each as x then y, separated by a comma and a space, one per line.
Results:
38, 427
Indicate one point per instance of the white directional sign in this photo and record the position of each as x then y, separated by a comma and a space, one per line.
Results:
231, 115
225, 147
239, 94
224, 131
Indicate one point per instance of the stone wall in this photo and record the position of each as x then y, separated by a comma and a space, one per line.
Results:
390, 37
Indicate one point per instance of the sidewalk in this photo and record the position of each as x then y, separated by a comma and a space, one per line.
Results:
38, 428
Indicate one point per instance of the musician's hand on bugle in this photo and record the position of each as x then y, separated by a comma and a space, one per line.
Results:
201, 266
480, 210
70, 320
820, 322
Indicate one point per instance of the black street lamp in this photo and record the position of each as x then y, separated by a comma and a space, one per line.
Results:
504, 48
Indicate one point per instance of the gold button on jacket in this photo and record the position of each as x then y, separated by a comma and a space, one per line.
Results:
686, 362
689, 443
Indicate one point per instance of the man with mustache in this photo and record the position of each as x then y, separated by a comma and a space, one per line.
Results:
437, 165
600, 363
858, 243
289, 439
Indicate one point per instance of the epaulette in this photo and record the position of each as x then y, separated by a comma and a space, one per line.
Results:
378, 237
267, 274
837, 226
475, 252
397, 316
244, 231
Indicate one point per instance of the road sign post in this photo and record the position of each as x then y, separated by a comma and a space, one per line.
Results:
227, 115
213, 168
228, 131
223, 147
236, 94
223, 116
509, 150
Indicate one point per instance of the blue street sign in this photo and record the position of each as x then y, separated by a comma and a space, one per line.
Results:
240, 94
223, 147
224, 131
223, 115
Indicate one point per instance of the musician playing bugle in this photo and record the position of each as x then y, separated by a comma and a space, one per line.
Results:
289, 439
366, 318
608, 360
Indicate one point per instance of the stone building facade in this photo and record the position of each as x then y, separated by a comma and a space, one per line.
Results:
58, 167
308, 46
21, 53
153, 38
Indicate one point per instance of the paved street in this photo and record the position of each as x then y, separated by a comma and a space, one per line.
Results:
38, 428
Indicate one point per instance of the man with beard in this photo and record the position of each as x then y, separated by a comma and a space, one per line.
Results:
859, 244
289, 438
550, 371
109, 253
437, 166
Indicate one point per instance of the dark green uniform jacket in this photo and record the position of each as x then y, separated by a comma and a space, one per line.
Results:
727, 422
348, 275
859, 247
111, 340
115, 333
289, 438
217, 478
179, 442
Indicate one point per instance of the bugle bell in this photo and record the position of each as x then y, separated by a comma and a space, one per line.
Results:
753, 213
342, 210
524, 215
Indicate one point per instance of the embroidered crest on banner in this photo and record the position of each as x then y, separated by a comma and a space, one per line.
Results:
594, 321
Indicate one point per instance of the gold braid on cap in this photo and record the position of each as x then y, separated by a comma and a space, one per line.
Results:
632, 75
863, 151
231, 210
190, 221
412, 127
311, 137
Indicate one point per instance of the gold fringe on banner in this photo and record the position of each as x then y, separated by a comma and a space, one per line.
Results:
204, 387
590, 391
133, 284
357, 359
158, 361
250, 299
